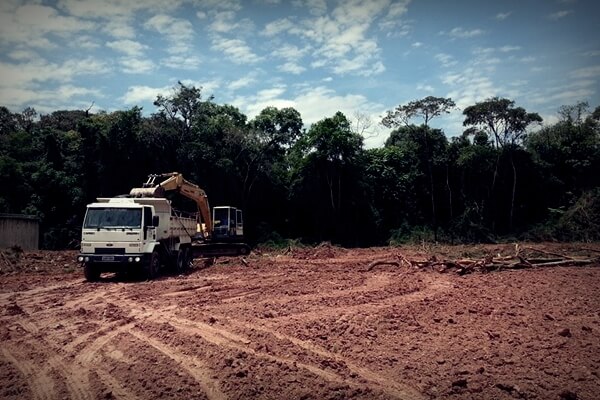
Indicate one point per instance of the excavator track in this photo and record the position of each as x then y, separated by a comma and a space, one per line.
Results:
219, 249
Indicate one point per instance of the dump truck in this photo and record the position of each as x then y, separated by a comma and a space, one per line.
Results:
143, 231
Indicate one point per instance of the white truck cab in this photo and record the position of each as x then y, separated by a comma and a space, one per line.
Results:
121, 234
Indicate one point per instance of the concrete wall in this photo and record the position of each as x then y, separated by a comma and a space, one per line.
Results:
19, 230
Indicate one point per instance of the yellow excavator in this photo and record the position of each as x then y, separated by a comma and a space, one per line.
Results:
218, 233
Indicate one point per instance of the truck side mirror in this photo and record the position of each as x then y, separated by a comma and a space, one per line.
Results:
155, 220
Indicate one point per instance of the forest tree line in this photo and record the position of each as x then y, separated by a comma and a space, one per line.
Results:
506, 177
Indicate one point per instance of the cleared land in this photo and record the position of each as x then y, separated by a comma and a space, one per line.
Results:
307, 324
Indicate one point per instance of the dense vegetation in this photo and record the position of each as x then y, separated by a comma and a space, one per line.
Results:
505, 177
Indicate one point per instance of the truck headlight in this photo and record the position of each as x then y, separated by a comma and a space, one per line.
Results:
137, 259
80, 258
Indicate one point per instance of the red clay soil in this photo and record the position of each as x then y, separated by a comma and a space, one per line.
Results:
308, 324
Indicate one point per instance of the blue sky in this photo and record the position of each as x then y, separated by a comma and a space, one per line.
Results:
361, 57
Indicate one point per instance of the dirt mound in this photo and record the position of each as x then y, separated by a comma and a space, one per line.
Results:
14, 260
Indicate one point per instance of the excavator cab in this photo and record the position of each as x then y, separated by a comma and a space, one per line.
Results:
228, 224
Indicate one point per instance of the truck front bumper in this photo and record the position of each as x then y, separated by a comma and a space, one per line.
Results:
132, 259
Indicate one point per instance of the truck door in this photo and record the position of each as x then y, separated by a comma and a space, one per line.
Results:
149, 229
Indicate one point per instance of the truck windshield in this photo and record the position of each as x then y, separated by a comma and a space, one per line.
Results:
113, 218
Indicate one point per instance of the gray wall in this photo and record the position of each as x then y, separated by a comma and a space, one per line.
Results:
19, 230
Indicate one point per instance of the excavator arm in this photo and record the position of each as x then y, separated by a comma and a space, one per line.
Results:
174, 182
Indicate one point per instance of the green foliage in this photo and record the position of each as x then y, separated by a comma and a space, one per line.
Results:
497, 179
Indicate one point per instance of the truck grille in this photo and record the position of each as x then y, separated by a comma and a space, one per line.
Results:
110, 250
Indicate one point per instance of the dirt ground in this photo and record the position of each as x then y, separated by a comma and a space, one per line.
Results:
305, 324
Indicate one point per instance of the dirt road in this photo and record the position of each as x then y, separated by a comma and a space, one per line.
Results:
301, 326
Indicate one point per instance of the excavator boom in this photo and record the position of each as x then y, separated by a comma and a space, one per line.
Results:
174, 182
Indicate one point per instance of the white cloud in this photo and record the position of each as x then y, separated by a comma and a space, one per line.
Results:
315, 7
236, 49
120, 28
469, 86
231, 5
241, 83
189, 63
425, 88
23, 55
140, 94
178, 31
132, 65
39, 70
393, 21
506, 49
565, 93
278, 26
84, 42
587, 72
341, 40
291, 67
290, 52
503, 16
559, 15
461, 33
47, 100
592, 53
445, 59
129, 47
34, 25
313, 103
110, 9
417, 44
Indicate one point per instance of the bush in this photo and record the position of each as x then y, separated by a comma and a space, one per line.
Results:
581, 222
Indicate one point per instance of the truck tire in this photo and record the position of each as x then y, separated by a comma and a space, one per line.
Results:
151, 269
91, 272
183, 260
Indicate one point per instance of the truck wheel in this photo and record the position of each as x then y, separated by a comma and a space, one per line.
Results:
91, 272
182, 260
152, 266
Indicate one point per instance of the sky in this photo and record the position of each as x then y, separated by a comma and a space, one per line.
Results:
360, 57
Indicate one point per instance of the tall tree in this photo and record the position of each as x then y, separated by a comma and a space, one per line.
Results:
182, 106
327, 181
426, 109
508, 124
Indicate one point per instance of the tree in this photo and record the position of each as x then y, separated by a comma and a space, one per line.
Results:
392, 174
508, 125
426, 109
500, 118
182, 106
327, 181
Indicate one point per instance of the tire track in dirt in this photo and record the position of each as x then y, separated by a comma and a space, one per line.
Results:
434, 286
116, 388
370, 284
75, 374
38, 381
224, 338
192, 365
387, 385
76, 380
227, 339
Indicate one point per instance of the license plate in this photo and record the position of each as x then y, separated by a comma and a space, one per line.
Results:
108, 258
